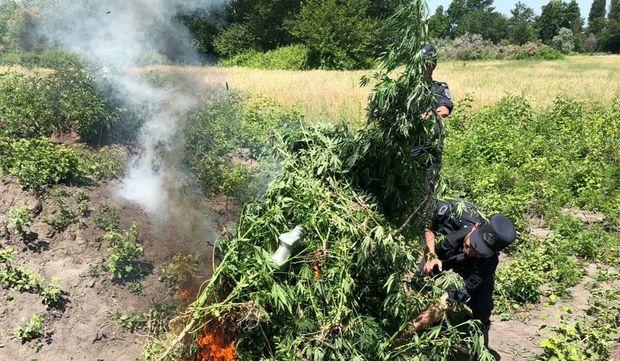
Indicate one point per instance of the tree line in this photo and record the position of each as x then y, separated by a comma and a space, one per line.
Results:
348, 34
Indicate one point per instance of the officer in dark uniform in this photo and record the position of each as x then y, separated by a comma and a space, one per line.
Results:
461, 239
442, 102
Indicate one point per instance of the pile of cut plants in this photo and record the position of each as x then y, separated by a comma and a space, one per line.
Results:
346, 292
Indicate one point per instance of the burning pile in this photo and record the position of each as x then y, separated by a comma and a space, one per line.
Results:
215, 344
341, 294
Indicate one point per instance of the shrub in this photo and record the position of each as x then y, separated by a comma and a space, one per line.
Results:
225, 138
292, 57
66, 100
52, 295
38, 161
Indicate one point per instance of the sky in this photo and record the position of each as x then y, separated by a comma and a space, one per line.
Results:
505, 6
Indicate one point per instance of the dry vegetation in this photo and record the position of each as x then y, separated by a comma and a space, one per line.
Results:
337, 95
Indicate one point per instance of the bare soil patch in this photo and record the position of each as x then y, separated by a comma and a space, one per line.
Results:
82, 329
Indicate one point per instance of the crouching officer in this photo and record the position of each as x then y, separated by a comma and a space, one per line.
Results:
461, 239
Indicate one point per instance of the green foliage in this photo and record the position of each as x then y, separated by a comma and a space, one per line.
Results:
292, 57
502, 159
586, 338
125, 253
106, 218
179, 272
62, 219
339, 34
537, 262
225, 138
38, 161
153, 322
31, 330
68, 99
52, 295
235, 39
19, 219
17, 278
564, 41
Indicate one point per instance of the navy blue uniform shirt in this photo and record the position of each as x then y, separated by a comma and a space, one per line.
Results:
450, 222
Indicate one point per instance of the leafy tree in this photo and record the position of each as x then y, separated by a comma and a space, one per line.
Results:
572, 17
439, 24
564, 41
612, 31
596, 18
491, 25
477, 17
266, 20
234, 40
521, 28
338, 33
456, 11
558, 14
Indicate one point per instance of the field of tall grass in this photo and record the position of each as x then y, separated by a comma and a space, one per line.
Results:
336, 95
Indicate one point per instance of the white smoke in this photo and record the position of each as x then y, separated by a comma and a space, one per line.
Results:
119, 35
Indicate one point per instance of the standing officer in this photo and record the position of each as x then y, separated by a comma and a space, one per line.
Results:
461, 239
443, 102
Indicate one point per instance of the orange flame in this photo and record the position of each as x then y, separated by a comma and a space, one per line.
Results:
215, 344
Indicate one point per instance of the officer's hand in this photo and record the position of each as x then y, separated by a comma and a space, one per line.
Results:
431, 264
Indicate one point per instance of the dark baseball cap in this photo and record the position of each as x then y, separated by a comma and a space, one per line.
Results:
493, 236
429, 53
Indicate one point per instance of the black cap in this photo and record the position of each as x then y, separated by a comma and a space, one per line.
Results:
429, 53
493, 236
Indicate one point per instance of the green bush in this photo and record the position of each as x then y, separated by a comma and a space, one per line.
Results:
66, 100
292, 57
509, 159
225, 139
50, 59
38, 161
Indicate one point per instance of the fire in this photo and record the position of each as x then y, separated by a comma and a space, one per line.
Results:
215, 344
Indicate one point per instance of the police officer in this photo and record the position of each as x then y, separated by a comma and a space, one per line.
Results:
461, 239
443, 102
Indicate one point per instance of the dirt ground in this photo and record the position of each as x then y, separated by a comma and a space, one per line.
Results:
82, 329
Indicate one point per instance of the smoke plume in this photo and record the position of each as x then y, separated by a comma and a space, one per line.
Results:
118, 35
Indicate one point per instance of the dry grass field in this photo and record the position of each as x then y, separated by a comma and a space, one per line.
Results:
336, 95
